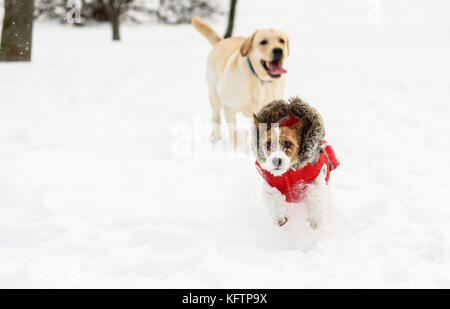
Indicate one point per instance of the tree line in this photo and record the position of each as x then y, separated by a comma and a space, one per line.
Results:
16, 40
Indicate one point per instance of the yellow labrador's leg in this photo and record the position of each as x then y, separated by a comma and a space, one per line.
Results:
230, 116
215, 119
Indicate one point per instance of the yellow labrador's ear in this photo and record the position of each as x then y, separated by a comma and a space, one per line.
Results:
247, 45
302, 122
256, 120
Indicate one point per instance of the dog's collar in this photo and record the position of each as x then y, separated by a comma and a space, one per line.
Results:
254, 72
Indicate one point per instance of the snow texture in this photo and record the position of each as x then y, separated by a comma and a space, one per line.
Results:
94, 193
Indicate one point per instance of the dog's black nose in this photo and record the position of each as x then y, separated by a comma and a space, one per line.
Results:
277, 52
276, 162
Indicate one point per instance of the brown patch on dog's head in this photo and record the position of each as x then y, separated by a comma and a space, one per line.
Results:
280, 145
290, 139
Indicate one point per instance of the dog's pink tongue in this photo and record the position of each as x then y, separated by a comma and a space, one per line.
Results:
276, 69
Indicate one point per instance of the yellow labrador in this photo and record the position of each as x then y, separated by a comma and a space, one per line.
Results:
243, 74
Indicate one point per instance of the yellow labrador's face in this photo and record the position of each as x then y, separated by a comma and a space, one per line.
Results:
267, 49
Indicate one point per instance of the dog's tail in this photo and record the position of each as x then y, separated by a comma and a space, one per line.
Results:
207, 31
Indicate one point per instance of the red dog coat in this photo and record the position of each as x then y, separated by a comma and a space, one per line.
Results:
292, 184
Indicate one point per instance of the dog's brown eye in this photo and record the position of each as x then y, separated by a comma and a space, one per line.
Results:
287, 144
282, 41
268, 144
263, 42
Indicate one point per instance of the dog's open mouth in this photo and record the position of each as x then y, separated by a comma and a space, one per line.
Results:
273, 68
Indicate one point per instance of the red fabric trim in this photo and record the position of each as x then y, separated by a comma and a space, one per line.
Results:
289, 122
293, 183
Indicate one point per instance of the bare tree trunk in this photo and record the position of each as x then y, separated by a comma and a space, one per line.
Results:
115, 25
17, 31
114, 11
231, 19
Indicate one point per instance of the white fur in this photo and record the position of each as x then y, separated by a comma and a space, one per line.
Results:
314, 199
275, 203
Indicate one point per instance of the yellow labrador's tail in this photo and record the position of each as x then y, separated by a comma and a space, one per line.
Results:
206, 30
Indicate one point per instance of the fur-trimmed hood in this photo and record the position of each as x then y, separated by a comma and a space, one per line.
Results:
313, 134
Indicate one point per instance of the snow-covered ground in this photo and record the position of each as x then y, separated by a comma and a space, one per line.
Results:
94, 193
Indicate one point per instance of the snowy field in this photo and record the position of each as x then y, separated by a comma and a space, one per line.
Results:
94, 194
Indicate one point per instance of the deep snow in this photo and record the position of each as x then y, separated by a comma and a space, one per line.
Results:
94, 193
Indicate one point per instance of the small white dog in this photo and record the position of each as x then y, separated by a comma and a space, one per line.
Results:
292, 157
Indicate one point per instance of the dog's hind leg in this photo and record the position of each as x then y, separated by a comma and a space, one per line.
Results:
230, 117
314, 196
215, 118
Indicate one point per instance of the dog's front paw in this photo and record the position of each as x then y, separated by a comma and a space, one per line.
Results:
282, 220
314, 223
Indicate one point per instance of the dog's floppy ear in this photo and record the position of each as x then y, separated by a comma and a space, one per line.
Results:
255, 135
256, 120
247, 45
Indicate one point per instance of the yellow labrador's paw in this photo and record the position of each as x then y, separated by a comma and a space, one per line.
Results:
282, 220
314, 223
